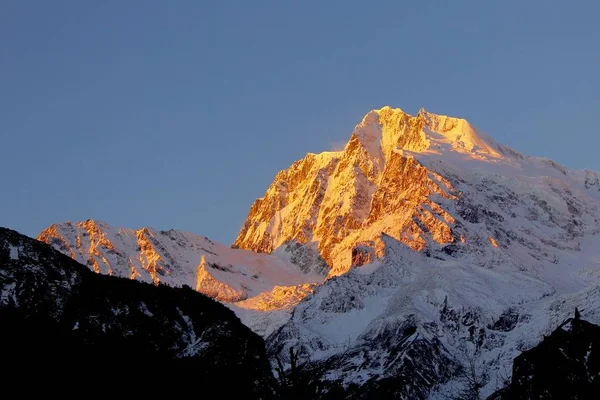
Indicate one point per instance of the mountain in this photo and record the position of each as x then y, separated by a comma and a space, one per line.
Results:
445, 249
65, 327
428, 181
421, 251
251, 283
565, 365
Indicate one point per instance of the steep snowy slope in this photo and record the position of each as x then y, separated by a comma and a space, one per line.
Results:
412, 319
255, 282
444, 247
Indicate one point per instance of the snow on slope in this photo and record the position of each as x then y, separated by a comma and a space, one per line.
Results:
181, 258
353, 323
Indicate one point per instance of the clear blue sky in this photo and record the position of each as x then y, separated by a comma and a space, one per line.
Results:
178, 114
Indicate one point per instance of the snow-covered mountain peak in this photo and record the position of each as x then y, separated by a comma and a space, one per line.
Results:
383, 131
421, 180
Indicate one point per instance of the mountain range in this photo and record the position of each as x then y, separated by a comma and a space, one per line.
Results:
420, 249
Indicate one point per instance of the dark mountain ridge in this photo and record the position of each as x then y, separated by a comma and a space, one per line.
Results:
565, 365
65, 327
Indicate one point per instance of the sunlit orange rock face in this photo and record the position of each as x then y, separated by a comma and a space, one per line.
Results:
339, 200
92, 246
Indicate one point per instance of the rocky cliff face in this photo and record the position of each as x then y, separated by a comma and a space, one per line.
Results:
339, 199
64, 327
415, 179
